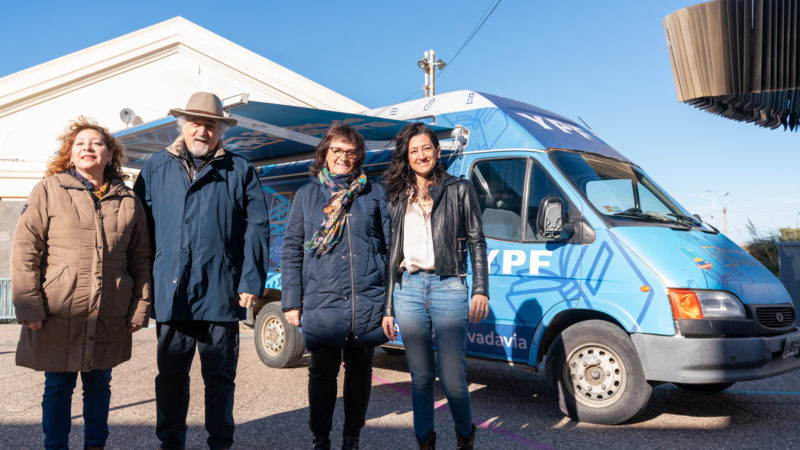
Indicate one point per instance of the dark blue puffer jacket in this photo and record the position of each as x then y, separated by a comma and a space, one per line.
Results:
323, 286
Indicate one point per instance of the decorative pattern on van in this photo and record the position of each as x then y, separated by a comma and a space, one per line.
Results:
722, 265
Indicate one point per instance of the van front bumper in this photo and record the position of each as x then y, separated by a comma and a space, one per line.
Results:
713, 360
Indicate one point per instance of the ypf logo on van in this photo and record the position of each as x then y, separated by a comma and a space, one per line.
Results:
510, 260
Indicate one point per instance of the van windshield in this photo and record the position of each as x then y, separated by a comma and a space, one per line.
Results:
622, 192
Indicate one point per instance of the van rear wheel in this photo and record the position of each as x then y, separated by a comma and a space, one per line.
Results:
596, 374
278, 343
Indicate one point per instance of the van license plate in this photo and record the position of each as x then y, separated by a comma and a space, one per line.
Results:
792, 346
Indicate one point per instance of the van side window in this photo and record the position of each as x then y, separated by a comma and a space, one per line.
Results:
541, 186
500, 184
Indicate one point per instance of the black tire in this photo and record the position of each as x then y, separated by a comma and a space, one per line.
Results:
707, 387
394, 351
278, 343
611, 385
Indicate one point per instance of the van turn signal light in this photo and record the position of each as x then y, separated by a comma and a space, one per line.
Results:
685, 304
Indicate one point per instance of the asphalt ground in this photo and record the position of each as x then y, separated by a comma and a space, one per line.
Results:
512, 406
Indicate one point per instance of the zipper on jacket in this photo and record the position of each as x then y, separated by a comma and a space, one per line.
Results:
184, 166
457, 259
352, 276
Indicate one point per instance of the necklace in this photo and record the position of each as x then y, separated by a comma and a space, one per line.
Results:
424, 201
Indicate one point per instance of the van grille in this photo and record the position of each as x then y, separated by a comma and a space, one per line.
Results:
775, 316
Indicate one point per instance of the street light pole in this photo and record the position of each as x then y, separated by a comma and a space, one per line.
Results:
725, 220
429, 66
713, 220
713, 199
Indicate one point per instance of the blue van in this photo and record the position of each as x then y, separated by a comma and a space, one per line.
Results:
597, 275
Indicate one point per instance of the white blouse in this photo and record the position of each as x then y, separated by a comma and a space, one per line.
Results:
417, 240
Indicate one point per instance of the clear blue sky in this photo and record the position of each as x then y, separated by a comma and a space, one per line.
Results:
606, 62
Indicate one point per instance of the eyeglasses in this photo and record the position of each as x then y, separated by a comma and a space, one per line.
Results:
338, 152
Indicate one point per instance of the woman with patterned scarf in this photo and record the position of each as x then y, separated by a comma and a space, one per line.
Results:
333, 270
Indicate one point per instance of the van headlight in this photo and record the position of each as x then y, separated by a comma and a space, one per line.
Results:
690, 304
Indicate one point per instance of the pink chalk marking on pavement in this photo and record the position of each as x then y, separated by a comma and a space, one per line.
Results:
485, 424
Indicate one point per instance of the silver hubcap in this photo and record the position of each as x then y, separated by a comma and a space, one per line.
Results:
274, 336
597, 375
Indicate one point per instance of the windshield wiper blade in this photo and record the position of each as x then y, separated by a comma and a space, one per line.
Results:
637, 214
689, 219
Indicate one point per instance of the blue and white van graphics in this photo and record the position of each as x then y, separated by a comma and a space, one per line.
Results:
597, 275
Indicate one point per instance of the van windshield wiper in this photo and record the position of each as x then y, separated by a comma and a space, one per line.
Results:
689, 219
637, 214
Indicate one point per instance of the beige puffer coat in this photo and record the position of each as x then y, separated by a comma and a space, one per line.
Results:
84, 269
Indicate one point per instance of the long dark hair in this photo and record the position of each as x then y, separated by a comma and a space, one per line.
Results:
400, 177
344, 133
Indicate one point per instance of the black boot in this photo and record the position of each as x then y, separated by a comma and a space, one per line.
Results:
429, 443
321, 443
465, 443
350, 441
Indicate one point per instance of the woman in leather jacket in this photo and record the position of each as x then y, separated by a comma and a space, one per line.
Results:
435, 221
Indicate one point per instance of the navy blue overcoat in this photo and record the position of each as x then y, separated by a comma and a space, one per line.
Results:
211, 235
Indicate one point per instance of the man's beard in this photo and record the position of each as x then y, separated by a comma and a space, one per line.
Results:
198, 149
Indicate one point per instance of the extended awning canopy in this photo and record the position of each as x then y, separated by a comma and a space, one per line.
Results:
267, 133
738, 59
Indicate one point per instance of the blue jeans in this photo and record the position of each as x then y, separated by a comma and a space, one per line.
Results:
57, 407
433, 311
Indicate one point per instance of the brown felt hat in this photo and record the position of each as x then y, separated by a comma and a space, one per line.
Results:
204, 104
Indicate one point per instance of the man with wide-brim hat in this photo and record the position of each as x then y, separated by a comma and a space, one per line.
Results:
211, 237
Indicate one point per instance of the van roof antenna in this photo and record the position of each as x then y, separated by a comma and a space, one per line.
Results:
587, 125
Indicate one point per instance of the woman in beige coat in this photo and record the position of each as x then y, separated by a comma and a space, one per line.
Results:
80, 278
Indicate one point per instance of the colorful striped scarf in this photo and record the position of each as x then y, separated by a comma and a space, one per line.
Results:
330, 231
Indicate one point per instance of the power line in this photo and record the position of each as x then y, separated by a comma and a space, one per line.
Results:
482, 20
472, 34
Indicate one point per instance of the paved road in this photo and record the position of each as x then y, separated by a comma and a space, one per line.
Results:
513, 406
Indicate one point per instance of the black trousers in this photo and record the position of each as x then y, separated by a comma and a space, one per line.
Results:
322, 372
218, 345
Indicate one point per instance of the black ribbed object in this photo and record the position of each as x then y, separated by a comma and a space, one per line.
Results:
738, 59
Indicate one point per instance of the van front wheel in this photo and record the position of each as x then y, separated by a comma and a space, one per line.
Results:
278, 343
596, 374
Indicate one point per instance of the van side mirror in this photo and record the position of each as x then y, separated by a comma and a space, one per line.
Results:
549, 219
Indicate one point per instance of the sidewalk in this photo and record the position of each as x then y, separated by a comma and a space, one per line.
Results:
270, 407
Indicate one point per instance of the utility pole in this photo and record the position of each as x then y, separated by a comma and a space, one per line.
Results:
429, 66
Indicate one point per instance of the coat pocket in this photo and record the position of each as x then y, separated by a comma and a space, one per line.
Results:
58, 286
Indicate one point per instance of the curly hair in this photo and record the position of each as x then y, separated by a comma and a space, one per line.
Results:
344, 133
60, 162
400, 176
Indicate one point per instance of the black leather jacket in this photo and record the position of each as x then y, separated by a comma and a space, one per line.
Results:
455, 226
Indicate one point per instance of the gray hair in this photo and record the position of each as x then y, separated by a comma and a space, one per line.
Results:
222, 127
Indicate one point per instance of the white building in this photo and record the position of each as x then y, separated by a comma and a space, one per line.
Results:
148, 72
